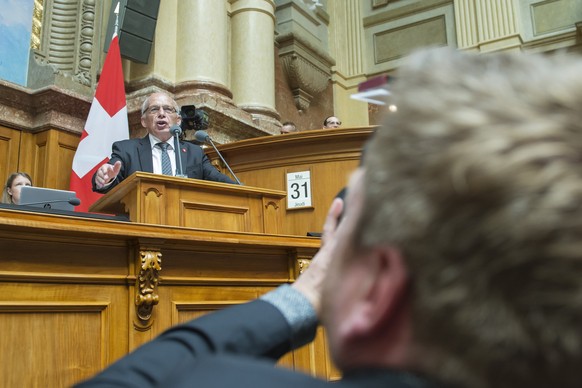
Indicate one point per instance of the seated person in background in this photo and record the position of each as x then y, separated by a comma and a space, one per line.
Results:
159, 112
15, 181
458, 262
332, 122
288, 127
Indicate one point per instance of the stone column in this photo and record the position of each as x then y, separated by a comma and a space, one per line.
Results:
202, 44
347, 47
487, 25
253, 70
466, 24
190, 60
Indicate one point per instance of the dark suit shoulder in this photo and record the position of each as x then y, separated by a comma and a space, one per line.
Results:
191, 146
131, 142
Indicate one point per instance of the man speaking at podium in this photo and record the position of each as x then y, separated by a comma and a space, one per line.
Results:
155, 152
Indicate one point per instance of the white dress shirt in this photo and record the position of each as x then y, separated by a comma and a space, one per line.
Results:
157, 154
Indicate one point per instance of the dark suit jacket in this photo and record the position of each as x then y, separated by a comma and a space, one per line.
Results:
136, 155
234, 347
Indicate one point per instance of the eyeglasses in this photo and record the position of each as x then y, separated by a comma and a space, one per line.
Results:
154, 109
334, 122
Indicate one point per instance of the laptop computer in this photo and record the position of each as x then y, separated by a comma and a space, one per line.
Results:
48, 198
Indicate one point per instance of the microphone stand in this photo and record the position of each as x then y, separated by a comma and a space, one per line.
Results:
209, 140
177, 131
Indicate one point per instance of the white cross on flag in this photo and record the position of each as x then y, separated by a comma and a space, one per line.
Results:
106, 124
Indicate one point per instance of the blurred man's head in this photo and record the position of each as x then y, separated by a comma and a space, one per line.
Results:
332, 122
288, 127
461, 246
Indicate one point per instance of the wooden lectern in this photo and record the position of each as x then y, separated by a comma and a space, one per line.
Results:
165, 200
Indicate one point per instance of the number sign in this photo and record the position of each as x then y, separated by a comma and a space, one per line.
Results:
298, 189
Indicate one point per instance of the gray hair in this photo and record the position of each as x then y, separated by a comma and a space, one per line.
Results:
477, 179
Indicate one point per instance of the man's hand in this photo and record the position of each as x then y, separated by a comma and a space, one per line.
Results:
310, 283
106, 173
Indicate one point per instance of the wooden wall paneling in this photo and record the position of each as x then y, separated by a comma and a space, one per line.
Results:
313, 357
152, 208
327, 179
66, 146
40, 155
60, 333
9, 150
56, 151
245, 266
48, 157
330, 156
27, 158
63, 307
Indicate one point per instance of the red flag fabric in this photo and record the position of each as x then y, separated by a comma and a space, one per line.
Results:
106, 123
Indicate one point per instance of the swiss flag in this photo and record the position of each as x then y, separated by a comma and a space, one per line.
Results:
106, 123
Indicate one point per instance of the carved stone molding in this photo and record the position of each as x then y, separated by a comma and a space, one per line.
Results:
147, 280
64, 51
39, 110
308, 68
36, 32
381, 3
228, 122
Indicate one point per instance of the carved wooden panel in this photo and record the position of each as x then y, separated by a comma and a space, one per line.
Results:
48, 157
189, 304
59, 333
64, 342
213, 216
9, 149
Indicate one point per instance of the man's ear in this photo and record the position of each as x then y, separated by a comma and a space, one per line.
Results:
384, 295
143, 123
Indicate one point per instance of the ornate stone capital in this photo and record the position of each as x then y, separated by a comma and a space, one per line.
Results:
308, 68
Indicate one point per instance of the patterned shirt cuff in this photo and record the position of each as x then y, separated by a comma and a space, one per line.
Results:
298, 312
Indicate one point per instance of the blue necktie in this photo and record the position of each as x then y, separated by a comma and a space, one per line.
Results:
166, 164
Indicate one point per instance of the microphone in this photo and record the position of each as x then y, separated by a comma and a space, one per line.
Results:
176, 131
73, 201
203, 137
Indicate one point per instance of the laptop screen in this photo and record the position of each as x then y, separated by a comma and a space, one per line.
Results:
48, 198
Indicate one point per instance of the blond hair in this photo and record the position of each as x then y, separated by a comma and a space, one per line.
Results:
478, 180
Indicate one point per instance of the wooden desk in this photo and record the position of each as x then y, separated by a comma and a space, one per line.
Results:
76, 294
